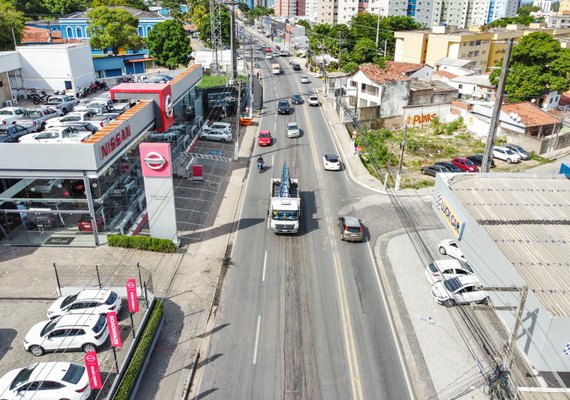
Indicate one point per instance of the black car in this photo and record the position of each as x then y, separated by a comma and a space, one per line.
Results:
296, 99
296, 67
283, 107
11, 133
477, 159
433, 169
449, 165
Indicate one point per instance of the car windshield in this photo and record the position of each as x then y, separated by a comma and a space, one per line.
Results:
283, 103
73, 374
34, 114
50, 326
331, 158
71, 118
279, 215
5, 112
296, 97
54, 100
292, 125
465, 266
452, 285
469, 162
353, 229
23, 376
111, 299
68, 300
264, 135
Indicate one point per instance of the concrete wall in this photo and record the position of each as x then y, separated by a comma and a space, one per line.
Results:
393, 98
424, 114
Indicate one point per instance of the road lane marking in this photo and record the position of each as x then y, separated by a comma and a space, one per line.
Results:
390, 320
350, 347
256, 339
264, 265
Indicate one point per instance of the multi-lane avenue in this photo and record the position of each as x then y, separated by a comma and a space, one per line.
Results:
303, 316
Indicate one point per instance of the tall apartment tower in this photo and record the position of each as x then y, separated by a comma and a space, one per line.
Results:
285, 8
342, 11
564, 7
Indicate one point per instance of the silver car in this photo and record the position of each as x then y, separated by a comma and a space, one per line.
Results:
216, 135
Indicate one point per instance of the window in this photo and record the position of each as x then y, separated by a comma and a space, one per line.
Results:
141, 32
148, 29
79, 32
460, 86
363, 86
69, 32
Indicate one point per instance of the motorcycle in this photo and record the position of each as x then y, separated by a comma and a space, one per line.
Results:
93, 87
83, 92
102, 85
37, 97
59, 92
127, 78
260, 166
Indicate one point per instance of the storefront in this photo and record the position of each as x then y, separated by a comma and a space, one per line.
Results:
73, 194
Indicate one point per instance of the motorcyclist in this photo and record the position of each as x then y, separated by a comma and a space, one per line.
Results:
260, 163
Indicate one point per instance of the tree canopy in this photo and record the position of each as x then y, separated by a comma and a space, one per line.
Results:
538, 63
113, 28
206, 30
10, 19
169, 45
138, 4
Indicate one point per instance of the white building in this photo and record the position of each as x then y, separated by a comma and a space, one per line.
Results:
545, 5
501, 9
473, 86
465, 13
342, 11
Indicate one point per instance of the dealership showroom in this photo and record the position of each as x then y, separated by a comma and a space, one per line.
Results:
76, 193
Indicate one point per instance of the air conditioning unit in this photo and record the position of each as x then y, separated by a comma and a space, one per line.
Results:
8, 103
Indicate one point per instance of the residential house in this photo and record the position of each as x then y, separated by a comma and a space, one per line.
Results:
473, 86
428, 100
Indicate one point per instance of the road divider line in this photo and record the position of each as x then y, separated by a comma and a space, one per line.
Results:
349, 345
264, 265
256, 339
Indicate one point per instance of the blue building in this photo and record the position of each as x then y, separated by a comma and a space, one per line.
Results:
75, 25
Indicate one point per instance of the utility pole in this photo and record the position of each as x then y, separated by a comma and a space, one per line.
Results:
216, 35
236, 143
378, 28
402, 148
515, 332
495, 117
251, 75
233, 72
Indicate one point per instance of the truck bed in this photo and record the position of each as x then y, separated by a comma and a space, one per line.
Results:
293, 188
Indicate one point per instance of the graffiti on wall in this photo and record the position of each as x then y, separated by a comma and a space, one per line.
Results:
419, 119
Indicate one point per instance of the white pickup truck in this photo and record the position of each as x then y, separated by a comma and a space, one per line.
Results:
36, 118
107, 106
57, 134
94, 116
62, 102
10, 114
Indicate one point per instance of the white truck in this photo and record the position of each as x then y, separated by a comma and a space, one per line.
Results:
57, 134
275, 69
107, 106
36, 118
95, 116
10, 114
285, 203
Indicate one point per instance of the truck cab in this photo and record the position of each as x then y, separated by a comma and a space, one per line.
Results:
275, 69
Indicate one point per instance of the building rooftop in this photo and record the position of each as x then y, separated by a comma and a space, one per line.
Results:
453, 62
394, 71
445, 74
530, 114
133, 11
436, 86
475, 79
528, 217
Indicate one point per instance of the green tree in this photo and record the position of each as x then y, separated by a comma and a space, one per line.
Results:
138, 4
555, 7
527, 9
206, 30
114, 28
364, 51
64, 7
169, 45
521, 20
197, 14
537, 62
306, 24
33, 9
10, 19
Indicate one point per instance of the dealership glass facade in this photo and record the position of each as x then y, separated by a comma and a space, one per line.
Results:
55, 210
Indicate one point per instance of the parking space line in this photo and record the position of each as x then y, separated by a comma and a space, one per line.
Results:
264, 266
256, 339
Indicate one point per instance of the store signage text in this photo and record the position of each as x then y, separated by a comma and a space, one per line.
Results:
92, 366
450, 216
420, 118
114, 331
114, 142
132, 298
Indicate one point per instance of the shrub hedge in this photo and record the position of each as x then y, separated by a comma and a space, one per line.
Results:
142, 243
130, 377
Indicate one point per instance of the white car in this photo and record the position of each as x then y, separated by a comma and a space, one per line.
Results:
48, 186
314, 101
88, 302
449, 247
216, 135
269, 56
68, 332
331, 162
219, 126
293, 130
46, 381
502, 153
304, 79
64, 103
463, 289
10, 114
439, 270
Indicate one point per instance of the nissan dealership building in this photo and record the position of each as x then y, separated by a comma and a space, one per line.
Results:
76, 193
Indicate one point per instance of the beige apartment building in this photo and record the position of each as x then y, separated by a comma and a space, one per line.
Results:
485, 47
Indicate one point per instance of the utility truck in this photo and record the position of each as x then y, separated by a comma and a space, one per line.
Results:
285, 204
275, 69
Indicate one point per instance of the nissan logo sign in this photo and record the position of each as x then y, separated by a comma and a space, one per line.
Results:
154, 160
168, 110
90, 358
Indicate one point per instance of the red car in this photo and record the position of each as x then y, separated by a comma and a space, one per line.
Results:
264, 138
465, 165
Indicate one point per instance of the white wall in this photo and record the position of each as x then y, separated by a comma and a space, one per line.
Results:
48, 66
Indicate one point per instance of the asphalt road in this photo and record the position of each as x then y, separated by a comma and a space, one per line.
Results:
303, 317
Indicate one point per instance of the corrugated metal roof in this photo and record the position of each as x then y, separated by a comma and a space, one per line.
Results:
528, 217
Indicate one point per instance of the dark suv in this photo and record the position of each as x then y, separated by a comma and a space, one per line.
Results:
283, 107
296, 67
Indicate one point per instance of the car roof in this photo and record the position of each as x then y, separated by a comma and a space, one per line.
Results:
93, 294
449, 263
448, 241
331, 156
466, 280
264, 132
48, 370
291, 123
351, 221
77, 320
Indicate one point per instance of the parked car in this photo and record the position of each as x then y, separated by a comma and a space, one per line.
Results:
477, 159
331, 162
68, 332
218, 126
269, 56
438, 270
60, 134
305, 79
464, 164
449, 247
449, 165
46, 381
88, 302
9, 115
283, 107
85, 225
293, 130
12, 133
462, 289
296, 99
82, 116
63, 102
158, 79
36, 118
47, 186
314, 100
350, 229
216, 135
502, 153
518, 150
264, 138
432, 170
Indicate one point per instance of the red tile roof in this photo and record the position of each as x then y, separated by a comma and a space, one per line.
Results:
394, 71
530, 114
445, 74
32, 35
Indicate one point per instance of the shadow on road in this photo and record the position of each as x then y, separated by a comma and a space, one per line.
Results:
216, 329
206, 393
